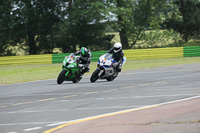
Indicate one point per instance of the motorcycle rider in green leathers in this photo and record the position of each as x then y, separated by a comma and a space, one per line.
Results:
85, 59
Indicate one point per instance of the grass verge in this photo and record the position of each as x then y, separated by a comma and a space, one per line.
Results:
26, 73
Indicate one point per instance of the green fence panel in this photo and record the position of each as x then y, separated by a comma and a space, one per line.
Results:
132, 54
97, 54
58, 58
193, 51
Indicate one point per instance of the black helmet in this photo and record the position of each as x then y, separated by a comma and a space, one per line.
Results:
84, 52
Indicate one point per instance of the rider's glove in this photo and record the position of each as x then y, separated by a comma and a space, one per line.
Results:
87, 69
80, 65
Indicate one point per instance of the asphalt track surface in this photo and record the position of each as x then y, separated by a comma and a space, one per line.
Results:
147, 96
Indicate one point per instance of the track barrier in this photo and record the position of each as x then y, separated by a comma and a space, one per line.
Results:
131, 54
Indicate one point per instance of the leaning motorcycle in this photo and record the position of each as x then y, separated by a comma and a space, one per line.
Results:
71, 69
105, 68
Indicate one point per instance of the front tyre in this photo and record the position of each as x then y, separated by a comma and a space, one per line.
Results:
95, 76
61, 77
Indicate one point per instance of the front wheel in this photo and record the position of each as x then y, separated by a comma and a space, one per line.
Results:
94, 76
61, 77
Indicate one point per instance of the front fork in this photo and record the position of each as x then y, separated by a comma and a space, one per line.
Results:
101, 72
67, 74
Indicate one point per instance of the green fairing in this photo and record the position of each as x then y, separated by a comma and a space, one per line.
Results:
70, 70
71, 67
73, 70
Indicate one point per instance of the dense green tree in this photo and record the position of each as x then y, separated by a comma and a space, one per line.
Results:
5, 9
84, 25
135, 16
32, 24
39, 26
144, 14
189, 19
121, 5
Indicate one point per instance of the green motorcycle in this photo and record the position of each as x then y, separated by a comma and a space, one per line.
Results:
71, 69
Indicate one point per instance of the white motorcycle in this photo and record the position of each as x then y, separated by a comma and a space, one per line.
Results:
105, 69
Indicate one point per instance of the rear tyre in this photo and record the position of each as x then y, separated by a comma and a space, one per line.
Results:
94, 76
76, 80
110, 79
61, 77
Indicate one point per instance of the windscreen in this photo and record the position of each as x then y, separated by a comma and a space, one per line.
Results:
108, 56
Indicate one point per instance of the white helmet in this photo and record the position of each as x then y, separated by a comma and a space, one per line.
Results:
117, 47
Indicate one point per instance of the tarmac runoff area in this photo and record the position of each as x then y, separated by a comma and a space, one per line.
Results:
182, 116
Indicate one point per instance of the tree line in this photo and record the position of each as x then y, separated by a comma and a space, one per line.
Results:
39, 26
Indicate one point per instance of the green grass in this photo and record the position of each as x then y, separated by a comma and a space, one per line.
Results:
25, 73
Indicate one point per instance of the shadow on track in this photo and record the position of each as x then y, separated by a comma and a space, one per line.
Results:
81, 82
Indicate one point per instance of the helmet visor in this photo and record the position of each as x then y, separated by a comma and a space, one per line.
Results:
116, 49
84, 51
84, 55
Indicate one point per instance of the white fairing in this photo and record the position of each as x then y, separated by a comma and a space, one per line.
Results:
106, 61
124, 60
69, 59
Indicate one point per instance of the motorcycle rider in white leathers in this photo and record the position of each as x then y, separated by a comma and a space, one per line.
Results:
118, 55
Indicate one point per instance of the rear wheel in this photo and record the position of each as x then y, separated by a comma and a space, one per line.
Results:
110, 79
94, 76
76, 80
61, 77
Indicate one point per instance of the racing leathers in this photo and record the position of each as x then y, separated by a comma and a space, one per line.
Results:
85, 60
118, 57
